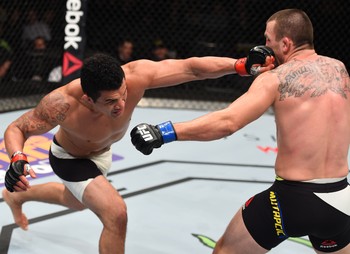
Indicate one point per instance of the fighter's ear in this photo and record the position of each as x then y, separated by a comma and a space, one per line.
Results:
87, 99
287, 43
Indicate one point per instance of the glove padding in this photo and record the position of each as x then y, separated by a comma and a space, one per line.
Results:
18, 165
257, 55
146, 137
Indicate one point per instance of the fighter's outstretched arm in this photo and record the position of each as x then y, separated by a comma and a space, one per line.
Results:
172, 72
215, 125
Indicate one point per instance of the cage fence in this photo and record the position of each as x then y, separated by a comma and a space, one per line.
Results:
33, 36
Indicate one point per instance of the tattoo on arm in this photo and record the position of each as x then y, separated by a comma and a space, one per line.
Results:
50, 111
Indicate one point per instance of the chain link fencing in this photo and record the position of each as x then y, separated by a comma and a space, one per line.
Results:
33, 37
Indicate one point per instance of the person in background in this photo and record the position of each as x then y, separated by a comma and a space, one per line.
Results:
5, 64
160, 51
125, 51
38, 60
34, 28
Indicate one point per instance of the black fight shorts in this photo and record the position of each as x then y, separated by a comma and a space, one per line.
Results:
294, 209
77, 173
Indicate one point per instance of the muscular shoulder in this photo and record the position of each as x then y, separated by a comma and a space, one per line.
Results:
140, 68
151, 74
53, 108
313, 63
138, 75
268, 81
51, 111
315, 76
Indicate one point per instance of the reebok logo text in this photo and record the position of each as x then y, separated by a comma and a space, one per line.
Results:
72, 31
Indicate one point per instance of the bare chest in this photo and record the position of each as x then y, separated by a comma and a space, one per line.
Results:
88, 133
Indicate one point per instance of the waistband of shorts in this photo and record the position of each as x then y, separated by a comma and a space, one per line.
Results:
317, 181
100, 160
319, 185
59, 152
55, 141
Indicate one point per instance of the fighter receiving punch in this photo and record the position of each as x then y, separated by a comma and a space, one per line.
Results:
310, 94
94, 112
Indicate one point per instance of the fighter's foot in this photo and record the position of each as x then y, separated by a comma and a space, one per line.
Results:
16, 208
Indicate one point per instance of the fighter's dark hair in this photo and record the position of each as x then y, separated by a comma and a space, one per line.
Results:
100, 72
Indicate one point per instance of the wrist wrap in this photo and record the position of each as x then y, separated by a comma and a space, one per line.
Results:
18, 155
167, 131
240, 67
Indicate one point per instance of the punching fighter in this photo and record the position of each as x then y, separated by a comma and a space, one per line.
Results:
93, 112
310, 95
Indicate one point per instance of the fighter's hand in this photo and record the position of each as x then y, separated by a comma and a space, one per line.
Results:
15, 177
260, 59
146, 137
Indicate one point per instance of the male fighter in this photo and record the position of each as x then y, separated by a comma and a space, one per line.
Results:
310, 94
92, 113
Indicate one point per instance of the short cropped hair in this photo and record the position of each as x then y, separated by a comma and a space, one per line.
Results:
100, 72
294, 24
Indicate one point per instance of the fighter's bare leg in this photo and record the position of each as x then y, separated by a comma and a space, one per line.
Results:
52, 192
237, 240
104, 200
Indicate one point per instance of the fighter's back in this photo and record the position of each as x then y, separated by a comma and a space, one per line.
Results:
313, 118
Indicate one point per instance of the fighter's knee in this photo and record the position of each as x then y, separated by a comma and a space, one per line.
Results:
116, 214
121, 214
122, 218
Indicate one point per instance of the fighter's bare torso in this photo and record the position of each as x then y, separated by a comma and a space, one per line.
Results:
313, 95
82, 131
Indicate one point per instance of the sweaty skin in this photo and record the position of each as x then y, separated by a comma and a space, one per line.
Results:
310, 95
89, 128
312, 110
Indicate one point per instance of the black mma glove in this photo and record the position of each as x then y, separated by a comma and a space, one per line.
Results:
257, 55
18, 166
145, 137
